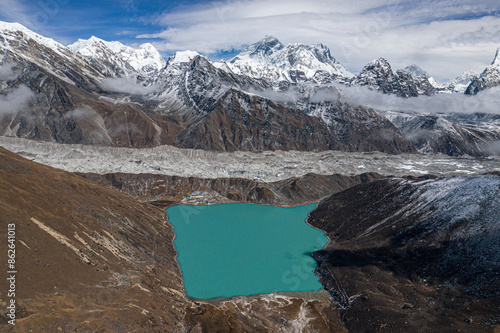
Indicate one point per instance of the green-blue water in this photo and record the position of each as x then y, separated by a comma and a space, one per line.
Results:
244, 249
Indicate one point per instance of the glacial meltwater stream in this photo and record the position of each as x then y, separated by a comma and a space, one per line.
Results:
244, 249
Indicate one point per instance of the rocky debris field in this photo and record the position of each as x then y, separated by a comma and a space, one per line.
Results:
266, 166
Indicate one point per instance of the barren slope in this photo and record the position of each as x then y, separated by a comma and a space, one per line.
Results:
89, 257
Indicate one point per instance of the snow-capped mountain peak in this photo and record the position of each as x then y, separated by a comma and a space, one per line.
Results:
11, 31
88, 47
264, 48
463, 80
379, 75
381, 63
270, 59
146, 60
19, 45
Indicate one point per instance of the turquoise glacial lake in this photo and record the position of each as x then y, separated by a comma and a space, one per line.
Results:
245, 249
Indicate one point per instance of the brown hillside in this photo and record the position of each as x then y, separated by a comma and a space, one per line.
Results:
88, 257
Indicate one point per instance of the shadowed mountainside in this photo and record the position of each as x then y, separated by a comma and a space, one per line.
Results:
414, 256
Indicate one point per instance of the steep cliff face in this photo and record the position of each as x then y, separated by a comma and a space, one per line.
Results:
240, 121
402, 253
359, 128
89, 258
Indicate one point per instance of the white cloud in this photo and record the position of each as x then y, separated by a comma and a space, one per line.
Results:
80, 113
487, 101
15, 100
128, 86
443, 37
7, 72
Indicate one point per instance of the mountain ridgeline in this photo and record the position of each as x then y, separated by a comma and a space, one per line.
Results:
269, 97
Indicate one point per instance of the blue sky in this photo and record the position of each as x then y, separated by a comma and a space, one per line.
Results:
444, 37
68, 20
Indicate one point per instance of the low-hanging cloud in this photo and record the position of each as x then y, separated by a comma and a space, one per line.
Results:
299, 94
487, 101
15, 100
80, 113
7, 72
128, 85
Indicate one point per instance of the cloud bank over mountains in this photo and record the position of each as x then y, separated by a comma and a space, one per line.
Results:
443, 37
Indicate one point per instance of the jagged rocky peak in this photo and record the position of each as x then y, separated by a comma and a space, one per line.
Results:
180, 61
314, 57
379, 75
373, 72
488, 79
378, 66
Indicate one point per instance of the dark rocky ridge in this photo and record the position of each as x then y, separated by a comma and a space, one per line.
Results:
413, 257
251, 123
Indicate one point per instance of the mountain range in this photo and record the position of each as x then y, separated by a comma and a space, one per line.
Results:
95, 250
269, 97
